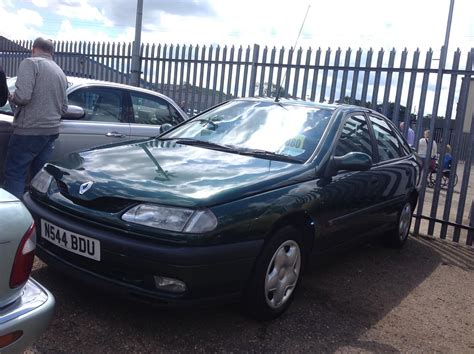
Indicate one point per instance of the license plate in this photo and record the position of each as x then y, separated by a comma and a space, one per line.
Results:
79, 244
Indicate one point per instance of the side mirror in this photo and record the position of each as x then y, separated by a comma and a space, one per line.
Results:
352, 161
74, 112
165, 127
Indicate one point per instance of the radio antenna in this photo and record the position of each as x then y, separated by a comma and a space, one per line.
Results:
277, 98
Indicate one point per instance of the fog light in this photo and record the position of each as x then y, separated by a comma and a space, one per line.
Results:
9, 338
169, 284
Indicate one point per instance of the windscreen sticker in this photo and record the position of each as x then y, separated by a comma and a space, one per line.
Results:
293, 146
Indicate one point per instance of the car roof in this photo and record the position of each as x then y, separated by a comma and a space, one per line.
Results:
82, 81
74, 81
330, 106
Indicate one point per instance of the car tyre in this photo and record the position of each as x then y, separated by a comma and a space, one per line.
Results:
276, 275
398, 237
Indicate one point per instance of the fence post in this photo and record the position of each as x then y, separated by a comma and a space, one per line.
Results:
253, 73
470, 233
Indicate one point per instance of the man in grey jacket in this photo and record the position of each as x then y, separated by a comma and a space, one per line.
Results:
38, 103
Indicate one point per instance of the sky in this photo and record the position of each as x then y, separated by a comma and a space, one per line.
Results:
336, 23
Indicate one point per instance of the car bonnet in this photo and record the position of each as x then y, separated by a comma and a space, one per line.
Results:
168, 173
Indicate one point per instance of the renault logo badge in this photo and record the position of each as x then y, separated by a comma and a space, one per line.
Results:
85, 187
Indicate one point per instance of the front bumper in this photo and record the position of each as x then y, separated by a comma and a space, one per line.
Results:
31, 314
128, 265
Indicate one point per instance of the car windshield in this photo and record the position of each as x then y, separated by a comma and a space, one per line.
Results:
6, 109
285, 129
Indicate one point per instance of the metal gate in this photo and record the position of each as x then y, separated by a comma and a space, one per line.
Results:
409, 87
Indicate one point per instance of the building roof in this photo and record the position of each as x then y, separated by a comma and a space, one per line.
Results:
8, 45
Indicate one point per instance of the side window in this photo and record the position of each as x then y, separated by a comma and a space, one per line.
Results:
100, 105
153, 110
389, 145
355, 137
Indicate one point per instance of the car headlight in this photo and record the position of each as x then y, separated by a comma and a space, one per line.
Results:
41, 181
171, 218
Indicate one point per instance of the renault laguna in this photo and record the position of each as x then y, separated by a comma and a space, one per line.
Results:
231, 204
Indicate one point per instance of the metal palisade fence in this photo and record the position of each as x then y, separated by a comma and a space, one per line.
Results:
405, 86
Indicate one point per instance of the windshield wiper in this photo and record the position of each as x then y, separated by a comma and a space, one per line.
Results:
205, 144
269, 155
236, 150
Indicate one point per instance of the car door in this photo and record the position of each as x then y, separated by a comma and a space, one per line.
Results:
150, 113
396, 170
106, 120
348, 197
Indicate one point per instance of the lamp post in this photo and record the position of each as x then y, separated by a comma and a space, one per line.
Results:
136, 64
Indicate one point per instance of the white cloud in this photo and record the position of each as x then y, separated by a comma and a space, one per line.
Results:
20, 24
128, 35
336, 23
31, 17
82, 10
40, 3
67, 32
7, 3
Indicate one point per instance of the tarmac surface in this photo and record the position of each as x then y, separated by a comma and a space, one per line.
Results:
369, 299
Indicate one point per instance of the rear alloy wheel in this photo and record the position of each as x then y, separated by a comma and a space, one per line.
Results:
276, 275
399, 236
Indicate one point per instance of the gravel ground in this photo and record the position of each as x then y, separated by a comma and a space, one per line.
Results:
370, 299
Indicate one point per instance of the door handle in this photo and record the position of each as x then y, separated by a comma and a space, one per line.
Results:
114, 135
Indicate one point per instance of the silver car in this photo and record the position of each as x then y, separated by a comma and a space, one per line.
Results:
112, 113
26, 307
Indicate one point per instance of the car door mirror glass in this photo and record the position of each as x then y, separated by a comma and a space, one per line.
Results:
74, 112
352, 161
165, 127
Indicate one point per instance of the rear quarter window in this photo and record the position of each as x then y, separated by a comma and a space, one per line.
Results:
389, 143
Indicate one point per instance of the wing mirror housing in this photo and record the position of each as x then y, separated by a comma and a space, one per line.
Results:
165, 127
74, 112
352, 161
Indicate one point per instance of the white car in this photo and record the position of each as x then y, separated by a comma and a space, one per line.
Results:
110, 113
26, 307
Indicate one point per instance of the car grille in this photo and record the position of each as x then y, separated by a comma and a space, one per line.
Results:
106, 204
106, 268
62, 187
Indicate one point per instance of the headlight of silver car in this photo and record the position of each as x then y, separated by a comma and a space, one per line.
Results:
171, 218
41, 181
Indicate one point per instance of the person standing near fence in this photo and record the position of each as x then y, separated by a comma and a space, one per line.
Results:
410, 134
3, 88
423, 145
38, 103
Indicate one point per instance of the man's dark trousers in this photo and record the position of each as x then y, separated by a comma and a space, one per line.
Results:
25, 152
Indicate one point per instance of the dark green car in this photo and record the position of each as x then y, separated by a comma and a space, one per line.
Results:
228, 205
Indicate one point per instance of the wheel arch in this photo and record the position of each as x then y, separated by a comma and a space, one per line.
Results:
413, 197
300, 220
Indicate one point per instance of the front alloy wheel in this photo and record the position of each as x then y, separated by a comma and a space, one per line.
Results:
276, 275
282, 274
